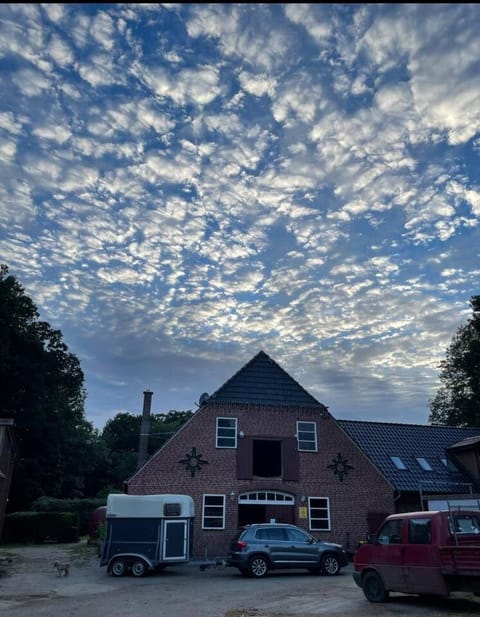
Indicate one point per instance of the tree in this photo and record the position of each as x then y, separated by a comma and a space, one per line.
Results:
457, 402
121, 436
42, 390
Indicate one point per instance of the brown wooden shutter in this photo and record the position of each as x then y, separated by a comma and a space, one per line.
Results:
290, 461
244, 458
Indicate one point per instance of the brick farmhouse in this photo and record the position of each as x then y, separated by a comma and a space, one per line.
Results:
261, 448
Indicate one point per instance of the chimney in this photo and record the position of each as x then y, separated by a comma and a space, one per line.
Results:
144, 428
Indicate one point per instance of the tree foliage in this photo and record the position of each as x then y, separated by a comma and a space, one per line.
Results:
457, 402
61, 455
42, 390
121, 436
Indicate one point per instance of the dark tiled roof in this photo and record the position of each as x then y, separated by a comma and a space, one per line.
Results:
263, 382
379, 441
466, 443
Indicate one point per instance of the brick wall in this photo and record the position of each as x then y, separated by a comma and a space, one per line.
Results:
362, 492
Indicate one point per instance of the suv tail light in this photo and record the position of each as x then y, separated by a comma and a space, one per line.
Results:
240, 545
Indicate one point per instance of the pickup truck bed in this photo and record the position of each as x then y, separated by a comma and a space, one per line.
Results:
425, 552
463, 560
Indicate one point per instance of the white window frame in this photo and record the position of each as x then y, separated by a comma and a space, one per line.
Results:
267, 497
312, 430
207, 517
312, 507
231, 432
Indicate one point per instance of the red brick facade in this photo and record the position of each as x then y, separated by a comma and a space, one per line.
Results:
362, 495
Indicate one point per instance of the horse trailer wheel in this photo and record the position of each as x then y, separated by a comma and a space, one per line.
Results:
119, 567
138, 568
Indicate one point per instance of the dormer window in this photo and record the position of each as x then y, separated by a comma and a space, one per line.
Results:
399, 464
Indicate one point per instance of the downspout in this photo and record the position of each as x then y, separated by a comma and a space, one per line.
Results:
396, 498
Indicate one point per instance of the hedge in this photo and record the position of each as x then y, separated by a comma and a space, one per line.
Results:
39, 527
82, 507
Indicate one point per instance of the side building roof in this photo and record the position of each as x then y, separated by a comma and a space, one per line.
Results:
263, 382
380, 441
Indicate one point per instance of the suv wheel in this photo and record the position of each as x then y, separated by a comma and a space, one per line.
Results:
257, 566
330, 565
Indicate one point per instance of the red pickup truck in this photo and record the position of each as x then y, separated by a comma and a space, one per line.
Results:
431, 553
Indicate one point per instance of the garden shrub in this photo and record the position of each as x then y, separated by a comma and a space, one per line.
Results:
82, 507
39, 527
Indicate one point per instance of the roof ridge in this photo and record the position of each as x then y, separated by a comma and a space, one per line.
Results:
263, 381
473, 428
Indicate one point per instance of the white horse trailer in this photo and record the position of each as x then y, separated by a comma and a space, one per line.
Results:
147, 532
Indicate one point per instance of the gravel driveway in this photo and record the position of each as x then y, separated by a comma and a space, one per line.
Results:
31, 587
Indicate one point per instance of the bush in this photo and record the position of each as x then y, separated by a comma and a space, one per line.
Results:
39, 527
82, 507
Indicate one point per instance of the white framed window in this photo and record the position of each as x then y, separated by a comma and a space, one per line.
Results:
266, 497
226, 433
399, 464
424, 464
307, 436
213, 512
319, 513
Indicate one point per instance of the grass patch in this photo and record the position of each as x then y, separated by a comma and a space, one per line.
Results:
81, 552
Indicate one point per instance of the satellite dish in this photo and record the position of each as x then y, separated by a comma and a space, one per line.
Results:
203, 399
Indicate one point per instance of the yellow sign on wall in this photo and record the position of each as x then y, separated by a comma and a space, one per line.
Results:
302, 512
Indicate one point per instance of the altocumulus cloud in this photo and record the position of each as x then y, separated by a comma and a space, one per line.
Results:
183, 185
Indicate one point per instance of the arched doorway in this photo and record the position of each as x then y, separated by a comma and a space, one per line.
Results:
265, 506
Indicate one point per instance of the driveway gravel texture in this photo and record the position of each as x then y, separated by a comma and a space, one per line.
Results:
31, 587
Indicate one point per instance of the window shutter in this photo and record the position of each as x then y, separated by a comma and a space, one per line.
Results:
290, 461
244, 459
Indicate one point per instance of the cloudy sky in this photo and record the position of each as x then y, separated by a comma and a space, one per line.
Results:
184, 185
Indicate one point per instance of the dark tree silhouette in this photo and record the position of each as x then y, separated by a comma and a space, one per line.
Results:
42, 390
457, 402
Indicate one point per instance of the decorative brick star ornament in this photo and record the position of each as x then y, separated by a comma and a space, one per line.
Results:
193, 462
340, 467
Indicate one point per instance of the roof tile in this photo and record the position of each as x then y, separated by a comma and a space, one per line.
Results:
381, 440
263, 382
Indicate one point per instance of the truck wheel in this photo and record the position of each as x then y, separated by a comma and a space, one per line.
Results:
119, 567
373, 587
257, 566
330, 565
138, 568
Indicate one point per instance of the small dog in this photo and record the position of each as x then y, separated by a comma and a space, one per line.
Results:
63, 569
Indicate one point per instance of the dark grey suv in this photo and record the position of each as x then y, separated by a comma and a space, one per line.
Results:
258, 548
